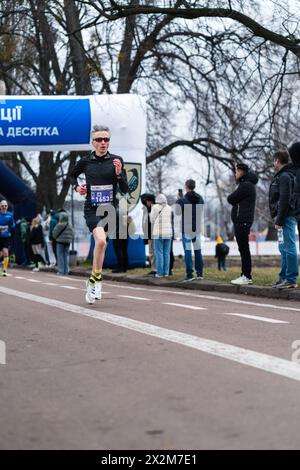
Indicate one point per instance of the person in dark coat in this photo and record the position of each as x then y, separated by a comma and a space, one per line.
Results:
63, 235
124, 228
294, 151
242, 215
148, 200
282, 209
190, 206
37, 242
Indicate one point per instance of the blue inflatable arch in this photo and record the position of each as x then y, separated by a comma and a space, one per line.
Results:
29, 123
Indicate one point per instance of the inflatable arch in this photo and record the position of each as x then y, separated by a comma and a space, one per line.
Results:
37, 123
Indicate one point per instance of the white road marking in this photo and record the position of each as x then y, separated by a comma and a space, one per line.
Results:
213, 297
50, 284
265, 362
69, 278
256, 317
68, 287
32, 280
20, 277
134, 298
192, 307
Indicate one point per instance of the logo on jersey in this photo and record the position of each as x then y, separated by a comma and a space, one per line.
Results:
134, 177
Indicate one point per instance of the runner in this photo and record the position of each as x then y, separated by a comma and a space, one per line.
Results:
7, 224
104, 172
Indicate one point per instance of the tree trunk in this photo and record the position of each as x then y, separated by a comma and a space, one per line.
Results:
80, 63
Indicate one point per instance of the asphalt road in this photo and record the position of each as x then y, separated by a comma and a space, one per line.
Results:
145, 368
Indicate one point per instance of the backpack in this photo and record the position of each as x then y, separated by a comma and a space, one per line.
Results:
296, 192
294, 152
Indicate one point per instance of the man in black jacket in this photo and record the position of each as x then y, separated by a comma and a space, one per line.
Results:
281, 202
242, 215
148, 200
190, 207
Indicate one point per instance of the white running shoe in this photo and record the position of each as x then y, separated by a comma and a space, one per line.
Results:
242, 281
4, 273
90, 293
98, 290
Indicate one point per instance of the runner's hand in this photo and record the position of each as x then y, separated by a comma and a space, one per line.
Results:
118, 166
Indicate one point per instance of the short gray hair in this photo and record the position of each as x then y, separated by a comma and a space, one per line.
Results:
98, 128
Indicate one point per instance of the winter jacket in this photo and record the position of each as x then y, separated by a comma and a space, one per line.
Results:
63, 232
24, 231
161, 218
190, 207
53, 222
222, 250
243, 199
281, 194
147, 229
37, 236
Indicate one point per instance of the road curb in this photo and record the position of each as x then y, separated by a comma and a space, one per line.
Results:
198, 285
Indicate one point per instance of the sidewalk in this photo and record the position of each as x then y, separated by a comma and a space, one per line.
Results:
207, 286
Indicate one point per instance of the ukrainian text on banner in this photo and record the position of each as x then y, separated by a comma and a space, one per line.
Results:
27, 122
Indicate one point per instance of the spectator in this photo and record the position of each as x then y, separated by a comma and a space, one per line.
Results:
242, 215
25, 239
283, 211
120, 242
54, 217
172, 259
222, 251
37, 242
190, 206
148, 200
161, 220
63, 235
294, 152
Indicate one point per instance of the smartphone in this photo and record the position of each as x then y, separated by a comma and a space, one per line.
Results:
180, 192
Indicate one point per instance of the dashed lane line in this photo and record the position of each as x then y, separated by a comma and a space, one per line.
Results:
265, 362
68, 287
192, 307
133, 298
212, 297
255, 317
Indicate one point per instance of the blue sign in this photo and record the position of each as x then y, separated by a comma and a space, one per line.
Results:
44, 122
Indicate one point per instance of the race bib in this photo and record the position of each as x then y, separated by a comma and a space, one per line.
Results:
3, 228
102, 194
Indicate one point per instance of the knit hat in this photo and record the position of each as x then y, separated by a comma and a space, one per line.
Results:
219, 240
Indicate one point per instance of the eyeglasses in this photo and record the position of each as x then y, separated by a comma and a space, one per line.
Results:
100, 139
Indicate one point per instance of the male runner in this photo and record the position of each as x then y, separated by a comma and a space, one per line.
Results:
7, 224
104, 172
